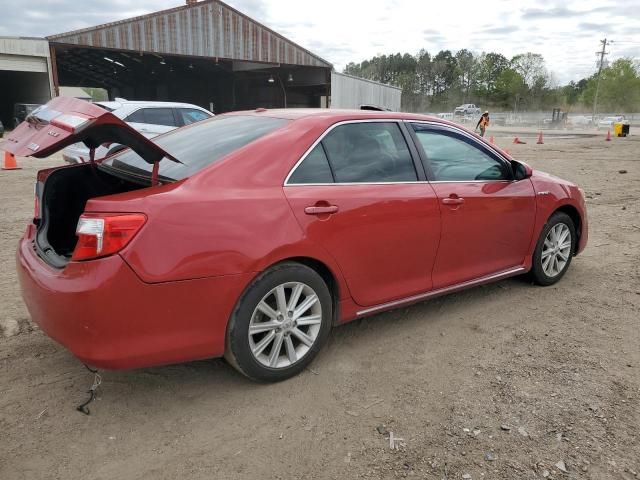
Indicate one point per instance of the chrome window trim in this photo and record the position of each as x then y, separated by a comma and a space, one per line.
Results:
391, 120
324, 134
354, 183
395, 183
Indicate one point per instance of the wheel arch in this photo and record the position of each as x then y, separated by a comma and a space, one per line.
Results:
327, 275
575, 217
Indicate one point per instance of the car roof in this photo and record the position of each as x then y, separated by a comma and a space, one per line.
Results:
337, 114
120, 102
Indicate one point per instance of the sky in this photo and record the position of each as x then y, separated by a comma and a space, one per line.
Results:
566, 33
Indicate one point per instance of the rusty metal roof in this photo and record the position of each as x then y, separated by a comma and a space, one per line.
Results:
205, 29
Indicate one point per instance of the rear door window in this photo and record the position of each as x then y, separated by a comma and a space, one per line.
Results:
369, 152
160, 116
153, 116
313, 169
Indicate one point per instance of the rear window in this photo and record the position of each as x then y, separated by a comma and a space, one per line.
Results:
199, 145
106, 107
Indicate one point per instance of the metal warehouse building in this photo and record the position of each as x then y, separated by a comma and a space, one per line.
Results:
25, 74
205, 53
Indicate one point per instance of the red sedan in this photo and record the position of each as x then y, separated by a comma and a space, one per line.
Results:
252, 234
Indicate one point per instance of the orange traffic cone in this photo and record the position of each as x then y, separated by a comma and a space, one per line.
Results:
10, 162
491, 141
517, 141
540, 140
608, 139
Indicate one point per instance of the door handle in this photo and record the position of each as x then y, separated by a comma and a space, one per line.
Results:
321, 209
453, 201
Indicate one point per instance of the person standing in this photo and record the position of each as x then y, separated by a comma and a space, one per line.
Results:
483, 123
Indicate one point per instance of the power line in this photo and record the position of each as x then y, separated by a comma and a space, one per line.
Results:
602, 53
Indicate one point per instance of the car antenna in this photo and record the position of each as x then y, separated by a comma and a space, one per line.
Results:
97, 380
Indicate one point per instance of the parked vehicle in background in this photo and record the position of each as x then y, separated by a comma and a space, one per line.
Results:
581, 121
467, 109
149, 118
22, 111
250, 235
606, 123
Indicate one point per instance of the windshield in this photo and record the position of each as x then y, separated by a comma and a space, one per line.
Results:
199, 145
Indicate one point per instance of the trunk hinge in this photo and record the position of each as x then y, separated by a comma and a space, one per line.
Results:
154, 173
92, 155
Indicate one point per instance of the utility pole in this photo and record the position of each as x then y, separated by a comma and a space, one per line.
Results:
602, 53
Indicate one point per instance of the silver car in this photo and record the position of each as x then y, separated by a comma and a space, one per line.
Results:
149, 118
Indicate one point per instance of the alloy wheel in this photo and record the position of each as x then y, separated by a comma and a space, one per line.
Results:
285, 325
556, 250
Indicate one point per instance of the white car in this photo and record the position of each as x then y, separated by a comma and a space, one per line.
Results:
581, 121
149, 118
467, 109
607, 122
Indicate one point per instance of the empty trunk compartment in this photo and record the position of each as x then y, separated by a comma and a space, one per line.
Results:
63, 199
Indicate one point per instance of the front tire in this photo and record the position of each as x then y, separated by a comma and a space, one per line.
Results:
554, 251
280, 323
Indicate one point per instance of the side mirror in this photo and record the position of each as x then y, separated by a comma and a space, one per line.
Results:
521, 170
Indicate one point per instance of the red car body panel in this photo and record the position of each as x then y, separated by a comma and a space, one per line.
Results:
168, 295
384, 237
109, 318
491, 231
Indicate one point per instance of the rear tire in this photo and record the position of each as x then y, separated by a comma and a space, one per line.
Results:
280, 323
554, 251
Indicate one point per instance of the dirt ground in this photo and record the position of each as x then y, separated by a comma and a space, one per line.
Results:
507, 381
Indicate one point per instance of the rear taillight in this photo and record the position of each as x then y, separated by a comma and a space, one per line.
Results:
100, 235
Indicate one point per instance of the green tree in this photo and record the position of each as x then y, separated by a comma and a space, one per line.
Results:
510, 89
531, 68
467, 70
490, 66
619, 87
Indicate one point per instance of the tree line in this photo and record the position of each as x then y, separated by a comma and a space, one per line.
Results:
433, 83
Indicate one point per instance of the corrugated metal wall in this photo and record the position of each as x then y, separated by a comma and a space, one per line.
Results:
206, 29
352, 92
22, 63
24, 46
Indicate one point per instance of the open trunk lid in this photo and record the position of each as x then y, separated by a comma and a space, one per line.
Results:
64, 121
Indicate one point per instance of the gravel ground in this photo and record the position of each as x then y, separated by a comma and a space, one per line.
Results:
503, 381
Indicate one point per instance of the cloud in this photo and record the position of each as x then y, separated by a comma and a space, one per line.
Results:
501, 30
555, 13
559, 13
589, 28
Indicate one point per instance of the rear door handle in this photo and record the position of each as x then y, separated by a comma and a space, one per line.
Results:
321, 210
453, 201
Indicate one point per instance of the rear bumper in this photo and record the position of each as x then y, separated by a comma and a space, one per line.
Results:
107, 317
